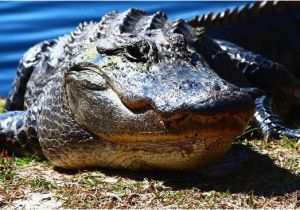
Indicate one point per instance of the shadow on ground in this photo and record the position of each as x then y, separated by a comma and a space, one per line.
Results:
258, 175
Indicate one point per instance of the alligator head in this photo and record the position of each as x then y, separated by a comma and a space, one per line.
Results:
152, 85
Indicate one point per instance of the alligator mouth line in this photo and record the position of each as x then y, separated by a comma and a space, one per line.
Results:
221, 122
187, 128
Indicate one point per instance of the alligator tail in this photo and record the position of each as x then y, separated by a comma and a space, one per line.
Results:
269, 123
259, 27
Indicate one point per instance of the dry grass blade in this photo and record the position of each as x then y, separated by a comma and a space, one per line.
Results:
270, 180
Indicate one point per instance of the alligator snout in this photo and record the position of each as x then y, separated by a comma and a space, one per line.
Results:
229, 101
171, 102
187, 98
225, 114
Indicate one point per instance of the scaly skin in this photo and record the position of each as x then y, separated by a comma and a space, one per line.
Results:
269, 28
132, 91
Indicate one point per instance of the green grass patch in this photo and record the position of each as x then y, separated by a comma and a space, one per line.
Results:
15, 161
270, 179
2, 103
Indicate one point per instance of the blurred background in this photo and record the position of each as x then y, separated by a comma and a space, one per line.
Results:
24, 24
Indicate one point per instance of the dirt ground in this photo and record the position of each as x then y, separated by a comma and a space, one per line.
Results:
270, 178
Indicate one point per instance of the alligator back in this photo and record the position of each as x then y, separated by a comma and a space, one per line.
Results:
269, 28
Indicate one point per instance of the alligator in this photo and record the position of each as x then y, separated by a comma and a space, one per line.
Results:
139, 91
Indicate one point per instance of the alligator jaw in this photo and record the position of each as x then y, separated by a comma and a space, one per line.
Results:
223, 116
189, 127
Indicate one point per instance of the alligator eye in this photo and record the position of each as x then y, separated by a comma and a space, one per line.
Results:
137, 52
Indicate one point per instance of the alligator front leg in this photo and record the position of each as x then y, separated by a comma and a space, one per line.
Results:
18, 132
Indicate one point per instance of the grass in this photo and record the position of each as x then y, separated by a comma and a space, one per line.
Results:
2, 102
271, 179
15, 180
